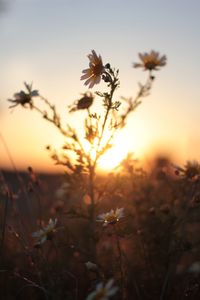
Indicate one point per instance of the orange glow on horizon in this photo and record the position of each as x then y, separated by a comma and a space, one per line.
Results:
141, 136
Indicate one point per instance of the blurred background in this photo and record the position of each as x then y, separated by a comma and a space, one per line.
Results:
47, 42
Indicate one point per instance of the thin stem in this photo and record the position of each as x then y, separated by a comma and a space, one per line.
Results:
165, 284
4, 224
113, 88
31, 284
21, 182
133, 104
120, 262
92, 166
10, 156
56, 122
39, 205
92, 212
51, 120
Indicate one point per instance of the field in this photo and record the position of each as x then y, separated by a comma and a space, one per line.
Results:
128, 233
152, 251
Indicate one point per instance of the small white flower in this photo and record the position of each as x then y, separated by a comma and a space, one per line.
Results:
45, 233
103, 292
111, 217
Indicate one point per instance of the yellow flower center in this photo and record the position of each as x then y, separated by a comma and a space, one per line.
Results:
111, 219
97, 69
150, 65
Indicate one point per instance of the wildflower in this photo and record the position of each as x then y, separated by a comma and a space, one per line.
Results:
84, 103
103, 292
24, 97
45, 233
151, 61
111, 217
95, 70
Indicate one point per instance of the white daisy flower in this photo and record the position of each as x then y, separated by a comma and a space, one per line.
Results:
45, 233
111, 217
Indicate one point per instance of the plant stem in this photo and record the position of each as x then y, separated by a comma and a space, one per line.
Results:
4, 224
120, 262
92, 212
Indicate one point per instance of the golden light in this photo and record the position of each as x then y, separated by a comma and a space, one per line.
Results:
112, 158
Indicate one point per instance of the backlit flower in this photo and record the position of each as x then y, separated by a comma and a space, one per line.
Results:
45, 233
95, 70
24, 97
151, 61
103, 292
111, 217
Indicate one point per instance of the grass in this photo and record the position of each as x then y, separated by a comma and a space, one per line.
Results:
130, 234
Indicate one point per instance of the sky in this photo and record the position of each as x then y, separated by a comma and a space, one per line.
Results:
46, 42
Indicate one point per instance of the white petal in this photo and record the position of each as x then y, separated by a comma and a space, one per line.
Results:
88, 81
85, 76
98, 79
92, 82
85, 71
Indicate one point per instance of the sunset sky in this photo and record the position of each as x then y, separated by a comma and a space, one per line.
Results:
46, 42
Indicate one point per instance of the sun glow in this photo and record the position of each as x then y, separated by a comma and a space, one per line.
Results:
112, 158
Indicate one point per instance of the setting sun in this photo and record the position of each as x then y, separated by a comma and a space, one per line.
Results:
113, 157
121, 146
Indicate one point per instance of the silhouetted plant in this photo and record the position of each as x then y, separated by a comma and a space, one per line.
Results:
80, 155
